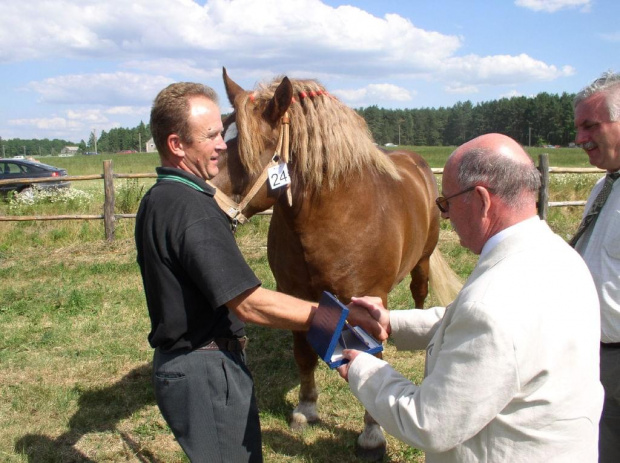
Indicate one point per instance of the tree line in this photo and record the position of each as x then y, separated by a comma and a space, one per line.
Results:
120, 139
112, 141
545, 119
34, 147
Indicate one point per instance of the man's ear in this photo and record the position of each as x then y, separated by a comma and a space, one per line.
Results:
485, 199
175, 145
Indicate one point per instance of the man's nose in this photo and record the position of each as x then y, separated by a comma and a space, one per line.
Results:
580, 137
221, 146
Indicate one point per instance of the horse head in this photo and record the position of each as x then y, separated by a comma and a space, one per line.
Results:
330, 144
254, 135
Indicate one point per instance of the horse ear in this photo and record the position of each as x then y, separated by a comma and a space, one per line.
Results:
232, 89
281, 100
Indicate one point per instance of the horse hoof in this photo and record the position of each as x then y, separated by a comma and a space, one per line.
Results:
299, 421
371, 444
304, 414
370, 454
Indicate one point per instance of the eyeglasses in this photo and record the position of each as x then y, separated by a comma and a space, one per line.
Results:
444, 205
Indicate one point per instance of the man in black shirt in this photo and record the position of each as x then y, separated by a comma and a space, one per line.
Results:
200, 290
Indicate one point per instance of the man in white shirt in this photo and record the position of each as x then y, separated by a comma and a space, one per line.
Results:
512, 364
597, 120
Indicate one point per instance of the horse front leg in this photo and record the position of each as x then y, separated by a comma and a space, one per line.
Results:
307, 360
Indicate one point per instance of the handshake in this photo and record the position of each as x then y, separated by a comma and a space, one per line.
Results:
369, 313
339, 333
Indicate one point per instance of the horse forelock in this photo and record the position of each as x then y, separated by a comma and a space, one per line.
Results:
329, 140
250, 141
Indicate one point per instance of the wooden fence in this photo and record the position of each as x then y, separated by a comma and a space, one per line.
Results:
110, 217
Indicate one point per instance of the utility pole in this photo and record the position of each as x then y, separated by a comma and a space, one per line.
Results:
95, 138
139, 142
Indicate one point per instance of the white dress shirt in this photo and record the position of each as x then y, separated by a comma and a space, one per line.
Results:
600, 248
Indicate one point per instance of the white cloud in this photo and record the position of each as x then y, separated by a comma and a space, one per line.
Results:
511, 94
129, 110
87, 116
551, 6
166, 66
75, 123
611, 37
51, 123
463, 89
501, 70
107, 88
374, 93
303, 35
120, 54
243, 31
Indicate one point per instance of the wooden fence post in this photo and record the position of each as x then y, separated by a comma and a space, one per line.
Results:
108, 205
543, 194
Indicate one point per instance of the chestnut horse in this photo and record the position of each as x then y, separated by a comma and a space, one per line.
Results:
354, 220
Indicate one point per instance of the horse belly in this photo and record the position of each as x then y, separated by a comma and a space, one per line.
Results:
352, 253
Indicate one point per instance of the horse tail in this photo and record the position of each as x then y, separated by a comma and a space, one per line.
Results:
445, 283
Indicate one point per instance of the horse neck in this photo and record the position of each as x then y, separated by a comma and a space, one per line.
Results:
309, 205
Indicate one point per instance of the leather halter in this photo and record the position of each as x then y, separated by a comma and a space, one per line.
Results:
233, 209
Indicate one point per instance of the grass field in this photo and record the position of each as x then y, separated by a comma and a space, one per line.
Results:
76, 383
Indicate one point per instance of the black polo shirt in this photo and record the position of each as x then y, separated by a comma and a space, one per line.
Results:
190, 263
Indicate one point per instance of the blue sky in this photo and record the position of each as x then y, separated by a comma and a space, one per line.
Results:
68, 67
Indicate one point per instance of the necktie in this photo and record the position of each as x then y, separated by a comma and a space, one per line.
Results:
596, 207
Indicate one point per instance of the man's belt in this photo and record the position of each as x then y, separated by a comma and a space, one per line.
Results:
611, 345
229, 344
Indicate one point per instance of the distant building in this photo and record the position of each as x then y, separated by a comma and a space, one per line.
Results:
71, 150
150, 146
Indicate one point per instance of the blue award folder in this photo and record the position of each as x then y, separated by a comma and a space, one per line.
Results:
330, 333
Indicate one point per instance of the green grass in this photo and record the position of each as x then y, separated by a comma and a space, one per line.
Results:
76, 362
565, 157
123, 163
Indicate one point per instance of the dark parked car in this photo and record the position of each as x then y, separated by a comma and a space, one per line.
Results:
23, 168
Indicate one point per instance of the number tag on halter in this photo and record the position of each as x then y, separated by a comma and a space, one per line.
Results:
278, 176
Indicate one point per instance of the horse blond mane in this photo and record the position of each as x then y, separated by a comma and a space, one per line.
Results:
328, 140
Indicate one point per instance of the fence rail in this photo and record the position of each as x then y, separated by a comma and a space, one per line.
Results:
109, 217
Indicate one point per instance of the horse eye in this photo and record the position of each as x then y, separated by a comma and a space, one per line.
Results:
231, 132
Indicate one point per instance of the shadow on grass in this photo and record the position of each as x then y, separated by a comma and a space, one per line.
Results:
281, 443
270, 358
99, 410
271, 361
275, 373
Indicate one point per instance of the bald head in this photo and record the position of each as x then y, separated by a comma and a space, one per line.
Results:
496, 143
498, 162
489, 184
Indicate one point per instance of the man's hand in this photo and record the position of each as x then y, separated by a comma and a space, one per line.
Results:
343, 370
369, 313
